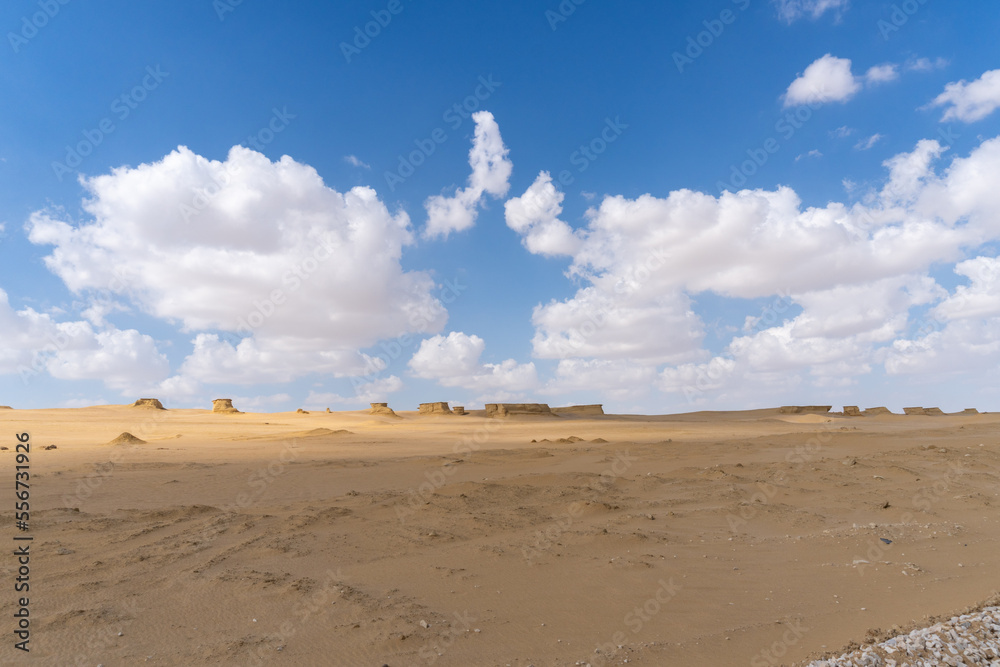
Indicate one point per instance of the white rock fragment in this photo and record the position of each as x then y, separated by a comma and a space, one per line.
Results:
970, 639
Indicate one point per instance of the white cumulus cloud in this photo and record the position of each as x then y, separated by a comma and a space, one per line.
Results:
926, 64
33, 343
490, 175
305, 275
828, 79
617, 379
970, 101
980, 298
856, 275
453, 361
535, 215
373, 391
792, 10
882, 74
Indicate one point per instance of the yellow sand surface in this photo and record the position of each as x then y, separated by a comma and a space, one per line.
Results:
739, 538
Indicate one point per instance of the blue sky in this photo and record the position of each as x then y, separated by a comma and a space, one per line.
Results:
659, 206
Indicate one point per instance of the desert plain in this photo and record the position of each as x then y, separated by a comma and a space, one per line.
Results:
348, 538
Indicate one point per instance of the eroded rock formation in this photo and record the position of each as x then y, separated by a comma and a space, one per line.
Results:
224, 405
512, 409
595, 409
382, 409
439, 408
803, 409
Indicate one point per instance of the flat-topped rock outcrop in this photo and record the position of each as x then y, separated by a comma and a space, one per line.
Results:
518, 409
224, 405
930, 412
594, 409
804, 409
382, 409
439, 408
149, 403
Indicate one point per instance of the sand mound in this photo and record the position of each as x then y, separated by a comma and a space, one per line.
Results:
852, 411
869, 412
595, 409
803, 409
382, 409
148, 403
224, 405
516, 409
127, 438
440, 408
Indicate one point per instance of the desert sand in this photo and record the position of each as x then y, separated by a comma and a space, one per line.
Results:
745, 538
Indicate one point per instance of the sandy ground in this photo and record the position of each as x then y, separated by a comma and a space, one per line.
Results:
746, 538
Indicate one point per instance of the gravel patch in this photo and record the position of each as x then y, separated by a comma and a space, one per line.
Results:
966, 640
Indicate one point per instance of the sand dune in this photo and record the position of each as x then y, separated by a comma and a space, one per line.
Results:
127, 438
354, 539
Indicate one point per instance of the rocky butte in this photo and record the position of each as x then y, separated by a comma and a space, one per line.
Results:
512, 409
440, 408
803, 409
224, 405
382, 409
